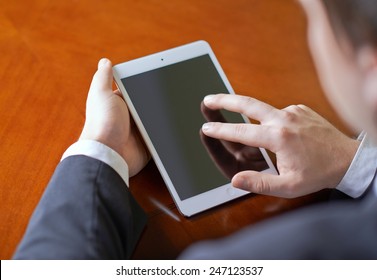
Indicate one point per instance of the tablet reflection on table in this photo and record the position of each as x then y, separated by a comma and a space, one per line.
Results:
230, 157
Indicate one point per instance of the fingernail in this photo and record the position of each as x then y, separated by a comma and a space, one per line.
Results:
208, 98
103, 62
206, 127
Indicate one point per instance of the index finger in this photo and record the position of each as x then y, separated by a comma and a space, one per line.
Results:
253, 135
248, 106
216, 116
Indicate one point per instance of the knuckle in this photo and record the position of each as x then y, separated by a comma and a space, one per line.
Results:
289, 116
246, 104
240, 130
303, 107
248, 100
260, 186
292, 111
284, 133
287, 108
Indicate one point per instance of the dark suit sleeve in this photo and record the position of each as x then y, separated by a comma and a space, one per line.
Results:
340, 230
86, 212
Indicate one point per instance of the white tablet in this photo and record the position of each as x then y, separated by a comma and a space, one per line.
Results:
164, 93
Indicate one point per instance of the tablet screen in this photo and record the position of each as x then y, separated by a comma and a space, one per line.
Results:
168, 101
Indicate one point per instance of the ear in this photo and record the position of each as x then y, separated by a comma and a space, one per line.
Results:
367, 63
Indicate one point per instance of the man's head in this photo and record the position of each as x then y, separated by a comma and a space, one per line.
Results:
342, 37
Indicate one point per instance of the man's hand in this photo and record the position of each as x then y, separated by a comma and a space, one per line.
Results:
230, 157
108, 120
311, 154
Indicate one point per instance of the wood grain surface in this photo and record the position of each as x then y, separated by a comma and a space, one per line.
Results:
49, 51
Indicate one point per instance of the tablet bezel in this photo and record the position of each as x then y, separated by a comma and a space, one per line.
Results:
213, 197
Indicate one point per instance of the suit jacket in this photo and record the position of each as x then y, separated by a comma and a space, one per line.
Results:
334, 230
87, 212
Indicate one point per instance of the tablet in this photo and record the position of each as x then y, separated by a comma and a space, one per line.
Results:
164, 93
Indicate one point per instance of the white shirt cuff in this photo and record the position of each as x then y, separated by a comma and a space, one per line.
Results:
100, 152
362, 170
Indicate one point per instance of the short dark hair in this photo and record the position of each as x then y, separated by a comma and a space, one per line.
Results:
356, 19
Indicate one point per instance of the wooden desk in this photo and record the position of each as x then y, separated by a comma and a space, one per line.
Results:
49, 50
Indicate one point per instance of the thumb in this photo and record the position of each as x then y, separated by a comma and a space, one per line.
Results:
103, 78
263, 183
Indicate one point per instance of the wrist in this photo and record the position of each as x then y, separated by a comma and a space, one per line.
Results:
101, 152
92, 133
344, 160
